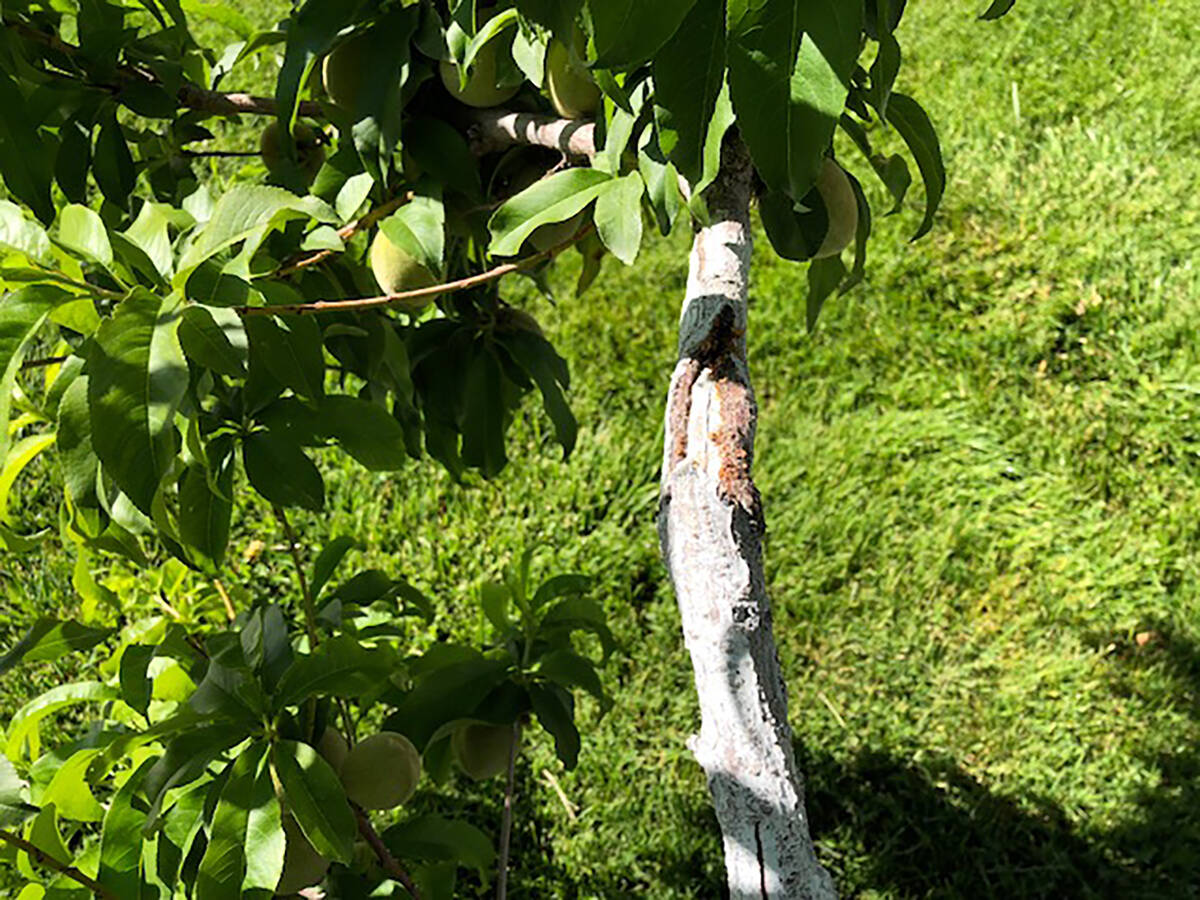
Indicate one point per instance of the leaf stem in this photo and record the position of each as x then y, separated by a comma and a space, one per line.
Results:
450, 287
51, 863
390, 864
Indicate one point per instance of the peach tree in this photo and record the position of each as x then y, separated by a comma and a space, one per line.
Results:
171, 340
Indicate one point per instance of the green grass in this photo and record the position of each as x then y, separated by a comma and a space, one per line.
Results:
980, 476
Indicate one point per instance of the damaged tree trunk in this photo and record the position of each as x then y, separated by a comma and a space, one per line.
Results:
711, 526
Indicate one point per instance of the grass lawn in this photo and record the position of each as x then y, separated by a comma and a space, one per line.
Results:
980, 475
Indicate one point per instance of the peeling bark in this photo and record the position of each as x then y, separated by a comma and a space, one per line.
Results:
711, 528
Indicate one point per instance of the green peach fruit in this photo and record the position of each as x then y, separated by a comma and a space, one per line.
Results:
482, 750
382, 771
842, 207
396, 271
481, 90
303, 866
309, 152
571, 88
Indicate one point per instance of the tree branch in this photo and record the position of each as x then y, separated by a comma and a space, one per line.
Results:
711, 528
390, 864
506, 821
50, 862
310, 612
450, 287
492, 130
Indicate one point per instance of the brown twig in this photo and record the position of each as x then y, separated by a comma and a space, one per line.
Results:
390, 864
189, 95
230, 612
346, 232
450, 287
218, 154
44, 362
310, 612
506, 820
50, 862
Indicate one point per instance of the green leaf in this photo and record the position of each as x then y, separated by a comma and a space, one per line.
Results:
556, 711
824, 275
223, 867
265, 844
206, 510
434, 838
340, 667
112, 163
789, 72
365, 430
316, 799
215, 338
21, 315
13, 807
689, 73
912, 123
537, 357
25, 160
137, 378
446, 693
69, 790
135, 682
570, 670
150, 233
74, 444
248, 213
310, 33
419, 229
50, 639
560, 586
21, 455
483, 415
997, 8
23, 235
327, 562
23, 726
44, 834
557, 15
553, 199
441, 150
618, 217
187, 757
629, 32
74, 158
494, 599
290, 349
280, 471
82, 230
580, 614
121, 837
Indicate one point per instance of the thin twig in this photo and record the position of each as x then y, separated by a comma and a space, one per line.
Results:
44, 362
50, 862
229, 610
506, 820
390, 864
189, 95
310, 612
450, 287
346, 232
218, 154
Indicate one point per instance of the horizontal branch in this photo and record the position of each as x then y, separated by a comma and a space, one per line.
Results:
50, 862
450, 287
190, 96
492, 130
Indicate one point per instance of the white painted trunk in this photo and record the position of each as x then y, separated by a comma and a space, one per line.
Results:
711, 527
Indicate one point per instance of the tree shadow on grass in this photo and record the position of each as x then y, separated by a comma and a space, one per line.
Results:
930, 829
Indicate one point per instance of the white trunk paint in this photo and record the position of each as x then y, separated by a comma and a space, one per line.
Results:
710, 527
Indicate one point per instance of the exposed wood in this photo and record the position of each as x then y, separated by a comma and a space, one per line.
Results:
711, 528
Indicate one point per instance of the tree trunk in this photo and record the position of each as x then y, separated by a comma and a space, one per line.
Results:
711, 527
